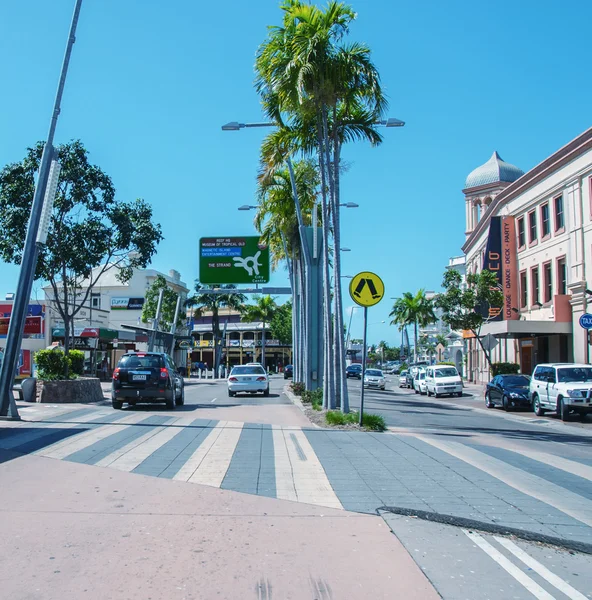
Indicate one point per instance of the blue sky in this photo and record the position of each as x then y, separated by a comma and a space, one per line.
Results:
151, 83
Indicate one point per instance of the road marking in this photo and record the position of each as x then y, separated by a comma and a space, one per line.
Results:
570, 466
214, 400
284, 478
213, 467
193, 462
111, 458
536, 566
136, 456
562, 499
532, 586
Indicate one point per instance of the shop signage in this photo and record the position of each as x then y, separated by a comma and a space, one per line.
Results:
586, 321
493, 263
509, 269
33, 325
127, 303
233, 260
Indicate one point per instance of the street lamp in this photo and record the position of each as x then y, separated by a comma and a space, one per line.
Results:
247, 207
345, 249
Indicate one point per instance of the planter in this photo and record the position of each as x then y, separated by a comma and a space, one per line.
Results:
82, 390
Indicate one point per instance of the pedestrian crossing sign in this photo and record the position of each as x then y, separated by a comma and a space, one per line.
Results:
366, 289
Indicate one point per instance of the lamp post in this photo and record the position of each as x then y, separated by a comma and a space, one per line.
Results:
36, 236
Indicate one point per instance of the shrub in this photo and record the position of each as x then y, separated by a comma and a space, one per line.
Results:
298, 388
373, 422
335, 417
504, 368
76, 361
51, 364
447, 363
370, 421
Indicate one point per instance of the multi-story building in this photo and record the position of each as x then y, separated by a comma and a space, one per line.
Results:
535, 230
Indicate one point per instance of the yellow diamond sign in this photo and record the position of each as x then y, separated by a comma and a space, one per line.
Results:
366, 289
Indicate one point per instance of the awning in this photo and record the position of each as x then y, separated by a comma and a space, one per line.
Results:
86, 332
521, 329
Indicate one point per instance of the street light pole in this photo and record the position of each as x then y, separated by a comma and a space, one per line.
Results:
29, 260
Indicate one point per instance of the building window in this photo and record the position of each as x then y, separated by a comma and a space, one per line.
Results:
523, 290
532, 227
561, 276
559, 218
547, 282
534, 285
545, 220
521, 233
96, 301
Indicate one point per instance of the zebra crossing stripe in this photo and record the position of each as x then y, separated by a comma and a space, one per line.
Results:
195, 460
284, 478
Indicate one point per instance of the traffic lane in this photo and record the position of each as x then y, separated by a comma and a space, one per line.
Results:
463, 563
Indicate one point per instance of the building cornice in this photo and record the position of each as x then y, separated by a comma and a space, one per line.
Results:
558, 159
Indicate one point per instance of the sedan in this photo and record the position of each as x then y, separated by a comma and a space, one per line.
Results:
374, 378
403, 379
288, 372
248, 378
354, 370
508, 391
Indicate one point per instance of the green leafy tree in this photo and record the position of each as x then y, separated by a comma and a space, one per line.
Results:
416, 310
169, 304
264, 310
280, 325
465, 307
90, 232
202, 302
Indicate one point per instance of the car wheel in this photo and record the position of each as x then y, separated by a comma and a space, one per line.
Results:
505, 403
488, 402
428, 393
266, 392
436, 395
416, 391
562, 409
117, 404
539, 411
170, 402
181, 399
459, 394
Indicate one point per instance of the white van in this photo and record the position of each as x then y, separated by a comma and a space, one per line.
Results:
443, 380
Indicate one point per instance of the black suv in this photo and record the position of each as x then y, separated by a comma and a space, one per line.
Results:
354, 370
147, 377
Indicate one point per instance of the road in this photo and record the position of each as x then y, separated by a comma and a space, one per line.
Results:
277, 498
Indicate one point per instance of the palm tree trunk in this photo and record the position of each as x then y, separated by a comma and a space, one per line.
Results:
296, 325
415, 342
263, 347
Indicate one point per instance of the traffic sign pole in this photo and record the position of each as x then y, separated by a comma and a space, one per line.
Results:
364, 364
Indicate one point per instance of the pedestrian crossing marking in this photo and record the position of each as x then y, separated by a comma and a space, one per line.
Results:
366, 289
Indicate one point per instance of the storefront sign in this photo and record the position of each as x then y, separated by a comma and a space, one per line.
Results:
127, 303
509, 269
33, 325
493, 263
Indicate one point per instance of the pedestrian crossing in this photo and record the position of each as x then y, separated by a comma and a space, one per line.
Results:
338, 469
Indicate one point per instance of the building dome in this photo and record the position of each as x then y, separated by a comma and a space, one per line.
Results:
494, 170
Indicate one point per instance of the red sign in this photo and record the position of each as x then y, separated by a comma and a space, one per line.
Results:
32, 325
509, 276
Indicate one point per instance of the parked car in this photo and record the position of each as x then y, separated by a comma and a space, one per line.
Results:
250, 378
508, 391
443, 380
147, 377
419, 383
288, 371
354, 370
403, 379
562, 388
374, 378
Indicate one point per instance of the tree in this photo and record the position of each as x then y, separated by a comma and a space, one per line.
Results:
465, 308
413, 310
263, 310
169, 304
202, 302
90, 232
280, 325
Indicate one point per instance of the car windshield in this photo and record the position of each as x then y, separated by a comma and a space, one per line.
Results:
355, 367
140, 361
247, 370
516, 380
574, 374
374, 373
450, 372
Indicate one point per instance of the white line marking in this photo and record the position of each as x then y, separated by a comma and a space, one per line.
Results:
570, 466
284, 478
536, 566
214, 400
532, 586
193, 462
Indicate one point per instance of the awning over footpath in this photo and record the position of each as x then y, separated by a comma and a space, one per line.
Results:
87, 332
526, 329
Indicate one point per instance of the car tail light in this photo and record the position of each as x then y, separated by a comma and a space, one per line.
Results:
116, 373
260, 378
164, 374
232, 379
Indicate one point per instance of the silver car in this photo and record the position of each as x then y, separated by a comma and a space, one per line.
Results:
374, 378
248, 378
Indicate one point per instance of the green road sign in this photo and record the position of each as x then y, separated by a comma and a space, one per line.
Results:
233, 260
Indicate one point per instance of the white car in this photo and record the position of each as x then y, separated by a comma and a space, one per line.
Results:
248, 378
374, 378
419, 383
403, 379
442, 380
562, 388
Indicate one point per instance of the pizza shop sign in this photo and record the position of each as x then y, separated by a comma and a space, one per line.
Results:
127, 303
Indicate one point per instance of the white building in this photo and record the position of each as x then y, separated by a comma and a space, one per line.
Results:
535, 230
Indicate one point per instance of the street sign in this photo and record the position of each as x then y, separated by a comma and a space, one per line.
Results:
366, 289
233, 260
489, 342
586, 321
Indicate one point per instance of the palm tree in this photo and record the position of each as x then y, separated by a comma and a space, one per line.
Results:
263, 310
413, 310
202, 302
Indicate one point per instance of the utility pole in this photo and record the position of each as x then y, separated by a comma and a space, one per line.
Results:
174, 324
32, 242
156, 322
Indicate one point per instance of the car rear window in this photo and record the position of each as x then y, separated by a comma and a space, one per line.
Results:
140, 361
374, 372
248, 371
450, 372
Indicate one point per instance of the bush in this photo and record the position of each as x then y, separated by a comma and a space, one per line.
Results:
298, 388
336, 417
314, 397
76, 361
373, 422
504, 368
51, 364
370, 421
446, 363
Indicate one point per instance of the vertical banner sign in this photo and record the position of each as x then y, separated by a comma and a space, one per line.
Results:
510, 275
493, 263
